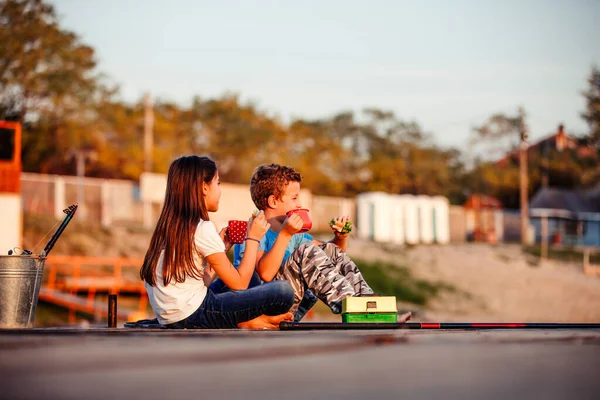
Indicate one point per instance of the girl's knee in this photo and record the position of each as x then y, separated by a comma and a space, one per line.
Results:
283, 289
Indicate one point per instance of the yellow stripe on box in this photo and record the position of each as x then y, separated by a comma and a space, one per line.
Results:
370, 304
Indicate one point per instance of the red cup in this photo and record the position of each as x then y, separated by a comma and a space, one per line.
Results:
236, 230
303, 213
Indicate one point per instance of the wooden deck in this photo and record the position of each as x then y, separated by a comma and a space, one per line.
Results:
232, 364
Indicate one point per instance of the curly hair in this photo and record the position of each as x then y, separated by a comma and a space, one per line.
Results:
271, 179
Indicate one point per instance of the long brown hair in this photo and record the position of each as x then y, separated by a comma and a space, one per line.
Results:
182, 210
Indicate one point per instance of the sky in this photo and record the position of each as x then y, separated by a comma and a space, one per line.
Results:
446, 64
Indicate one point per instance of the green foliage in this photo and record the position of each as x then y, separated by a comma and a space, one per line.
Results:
592, 111
393, 280
49, 82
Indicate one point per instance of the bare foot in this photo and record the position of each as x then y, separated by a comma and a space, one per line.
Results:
405, 317
266, 321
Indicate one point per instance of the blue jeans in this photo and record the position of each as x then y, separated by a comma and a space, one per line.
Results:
226, 310
308, 300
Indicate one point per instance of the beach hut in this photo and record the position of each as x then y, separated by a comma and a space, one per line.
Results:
374, 210
397, 224
410, 218
425, 212
441, 219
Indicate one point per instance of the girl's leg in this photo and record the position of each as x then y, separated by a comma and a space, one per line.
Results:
310, 267
348, 268
227, 310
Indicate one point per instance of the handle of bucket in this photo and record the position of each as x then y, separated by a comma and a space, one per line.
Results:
70, 211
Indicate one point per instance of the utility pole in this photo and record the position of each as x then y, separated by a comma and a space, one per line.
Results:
81, 155
148, 136
148, 146
523, 177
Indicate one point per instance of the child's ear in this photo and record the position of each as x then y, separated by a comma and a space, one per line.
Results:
271, 201
204, 188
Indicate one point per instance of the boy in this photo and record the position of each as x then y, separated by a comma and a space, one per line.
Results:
310, 266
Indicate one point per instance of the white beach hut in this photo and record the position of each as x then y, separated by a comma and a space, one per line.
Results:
441, 219
424, 205
373, 212
410, 218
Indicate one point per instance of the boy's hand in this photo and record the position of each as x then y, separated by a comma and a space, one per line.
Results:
258, 226
341, 226
292, 224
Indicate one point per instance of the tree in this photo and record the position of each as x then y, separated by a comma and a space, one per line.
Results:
42, 67
592, 112
47, 82
499, 134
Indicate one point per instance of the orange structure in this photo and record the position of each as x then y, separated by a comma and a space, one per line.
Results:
10, 186
67, 276
482, 224
10, 157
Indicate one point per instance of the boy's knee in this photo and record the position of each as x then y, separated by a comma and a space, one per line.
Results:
329, 245
330, 248
306, 246
308, 249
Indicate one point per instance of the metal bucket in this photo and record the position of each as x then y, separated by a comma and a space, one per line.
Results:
20, 281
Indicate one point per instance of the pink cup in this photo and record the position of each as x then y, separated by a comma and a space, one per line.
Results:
303, 213
236, 230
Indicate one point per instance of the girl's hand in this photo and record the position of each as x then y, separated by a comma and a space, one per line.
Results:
292, 224
225, 239
258, 226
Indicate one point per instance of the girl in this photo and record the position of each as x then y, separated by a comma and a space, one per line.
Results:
186, 253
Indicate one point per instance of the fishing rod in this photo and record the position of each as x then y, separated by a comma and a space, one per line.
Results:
311, 326
70, 211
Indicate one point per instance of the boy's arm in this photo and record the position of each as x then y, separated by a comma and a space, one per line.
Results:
338, 239
269, 262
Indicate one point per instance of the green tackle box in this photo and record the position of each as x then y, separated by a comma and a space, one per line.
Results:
369, 309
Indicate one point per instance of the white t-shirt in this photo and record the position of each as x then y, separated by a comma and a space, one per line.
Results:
177, 301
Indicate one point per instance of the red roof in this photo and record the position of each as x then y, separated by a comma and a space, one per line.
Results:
479, 201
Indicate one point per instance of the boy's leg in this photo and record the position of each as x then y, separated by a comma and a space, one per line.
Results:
308, 302
310, 267
348, 268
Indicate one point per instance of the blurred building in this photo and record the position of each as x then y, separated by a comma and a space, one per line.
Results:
10, 186
558, 141
484, 219
573, 216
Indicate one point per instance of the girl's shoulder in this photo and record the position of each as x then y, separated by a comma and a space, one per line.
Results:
207, 238
206, 225
205, 228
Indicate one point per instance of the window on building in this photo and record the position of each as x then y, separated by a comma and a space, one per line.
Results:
7, 144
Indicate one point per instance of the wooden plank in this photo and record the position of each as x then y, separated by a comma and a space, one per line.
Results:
77, 303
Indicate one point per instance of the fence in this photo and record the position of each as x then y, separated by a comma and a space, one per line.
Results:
104, 201
112, 202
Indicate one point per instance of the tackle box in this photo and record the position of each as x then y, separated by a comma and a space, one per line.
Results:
369, 309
